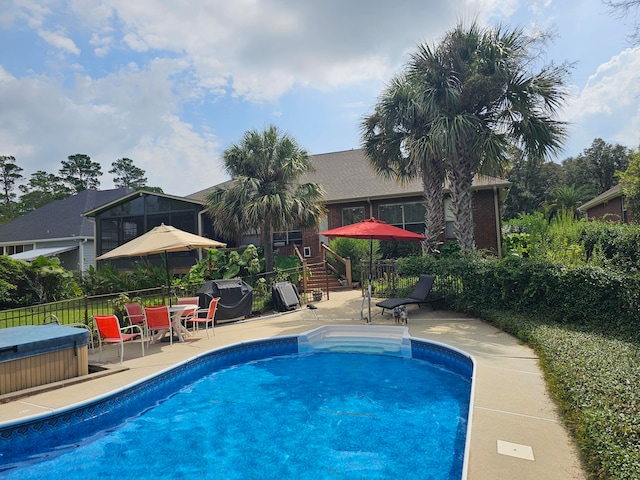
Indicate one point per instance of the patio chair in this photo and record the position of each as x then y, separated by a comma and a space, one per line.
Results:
211, 313
109, 331
158, 320
188, 315
135, 314
418, 296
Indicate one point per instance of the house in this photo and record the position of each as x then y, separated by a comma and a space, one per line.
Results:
57, 229
355, 192
135, 213
91, 223
608, 206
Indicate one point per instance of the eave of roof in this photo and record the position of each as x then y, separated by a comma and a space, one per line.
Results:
613, 192
139, 193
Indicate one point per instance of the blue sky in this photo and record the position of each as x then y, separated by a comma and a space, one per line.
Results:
172, 84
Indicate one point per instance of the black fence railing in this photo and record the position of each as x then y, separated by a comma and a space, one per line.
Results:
81, 309
386, 282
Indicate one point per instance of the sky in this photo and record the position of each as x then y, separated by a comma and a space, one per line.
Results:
171, 84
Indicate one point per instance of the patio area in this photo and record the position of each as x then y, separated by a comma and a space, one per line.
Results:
515, 432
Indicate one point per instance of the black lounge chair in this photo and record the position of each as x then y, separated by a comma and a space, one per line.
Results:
419, 295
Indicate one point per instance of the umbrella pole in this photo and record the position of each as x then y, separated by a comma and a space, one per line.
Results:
166, 262
370, 277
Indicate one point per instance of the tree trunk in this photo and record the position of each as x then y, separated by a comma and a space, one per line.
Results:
267, 241
434, 202
460, 180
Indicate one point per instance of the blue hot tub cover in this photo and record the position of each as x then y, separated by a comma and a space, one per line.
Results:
32, 340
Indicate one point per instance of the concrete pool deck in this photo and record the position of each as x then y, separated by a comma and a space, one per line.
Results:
516, 432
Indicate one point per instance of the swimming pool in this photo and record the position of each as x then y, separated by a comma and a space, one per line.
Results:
335, 429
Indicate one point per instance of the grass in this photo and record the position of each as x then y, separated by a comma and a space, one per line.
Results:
594, 380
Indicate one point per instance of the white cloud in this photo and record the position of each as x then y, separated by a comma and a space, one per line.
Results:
60, 41
158, 82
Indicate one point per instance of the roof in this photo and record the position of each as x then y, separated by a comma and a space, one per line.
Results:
347, 176
133, 194
60, 218
613, 192
45, 252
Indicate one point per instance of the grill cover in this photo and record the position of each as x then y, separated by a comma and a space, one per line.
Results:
236, 298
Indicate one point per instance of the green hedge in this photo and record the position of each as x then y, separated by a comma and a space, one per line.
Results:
583, 323
594, 297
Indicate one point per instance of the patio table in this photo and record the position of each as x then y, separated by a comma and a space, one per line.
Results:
176, 320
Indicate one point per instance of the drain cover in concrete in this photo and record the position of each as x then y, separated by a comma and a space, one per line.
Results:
515, 450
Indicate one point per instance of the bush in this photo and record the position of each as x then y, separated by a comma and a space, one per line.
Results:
355, 249
40, 281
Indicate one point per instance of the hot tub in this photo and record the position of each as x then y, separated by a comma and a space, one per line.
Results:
35, 355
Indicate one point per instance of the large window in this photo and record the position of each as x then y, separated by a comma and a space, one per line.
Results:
292, 237
352, 215
129, 220
409, 216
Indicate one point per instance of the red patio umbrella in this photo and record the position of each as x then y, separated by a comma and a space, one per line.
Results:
373, 229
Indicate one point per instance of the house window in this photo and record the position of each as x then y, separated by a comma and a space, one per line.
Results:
108, 235
409, 216
352, 215
291, 237
13, 249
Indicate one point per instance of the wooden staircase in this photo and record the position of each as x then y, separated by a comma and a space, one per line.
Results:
320, 279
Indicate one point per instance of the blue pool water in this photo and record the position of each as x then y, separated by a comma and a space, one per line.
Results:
297, 416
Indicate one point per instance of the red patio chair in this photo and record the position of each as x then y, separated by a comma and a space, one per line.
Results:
135, 314
189, 314
109, 331
158, 319
211, 313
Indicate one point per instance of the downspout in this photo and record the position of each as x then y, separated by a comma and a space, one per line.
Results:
496, 204
370, 207
81, 253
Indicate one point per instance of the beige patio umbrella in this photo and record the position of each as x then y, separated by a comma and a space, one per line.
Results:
161, 240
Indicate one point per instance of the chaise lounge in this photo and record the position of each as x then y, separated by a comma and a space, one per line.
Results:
418, 296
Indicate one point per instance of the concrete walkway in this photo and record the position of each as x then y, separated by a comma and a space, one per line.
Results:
515, 432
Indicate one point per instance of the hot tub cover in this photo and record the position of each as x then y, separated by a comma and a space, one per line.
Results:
32, 340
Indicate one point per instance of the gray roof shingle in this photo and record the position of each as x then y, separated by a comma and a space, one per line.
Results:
60, 218
347, 176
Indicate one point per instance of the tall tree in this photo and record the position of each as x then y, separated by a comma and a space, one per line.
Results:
482, 101
394, 143
266, 193
127, 175
531, 185
80, 173
630, 181
626, 9
596, 166
9, 175
41, 189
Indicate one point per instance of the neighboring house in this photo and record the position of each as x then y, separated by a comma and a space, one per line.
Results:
608, 206
133, 214
57, 229
355, 192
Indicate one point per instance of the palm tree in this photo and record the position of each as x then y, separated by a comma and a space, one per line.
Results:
265, 194
394, 143
569, 197
482, 101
